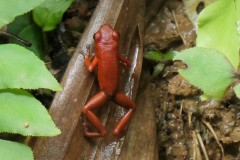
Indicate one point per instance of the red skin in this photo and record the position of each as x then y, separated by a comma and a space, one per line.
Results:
107, 58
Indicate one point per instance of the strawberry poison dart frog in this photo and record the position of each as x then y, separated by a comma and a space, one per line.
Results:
107, 59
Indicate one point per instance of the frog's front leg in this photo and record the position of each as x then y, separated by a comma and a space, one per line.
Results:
90, 64
94, 103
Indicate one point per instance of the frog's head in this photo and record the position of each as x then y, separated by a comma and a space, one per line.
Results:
106, 34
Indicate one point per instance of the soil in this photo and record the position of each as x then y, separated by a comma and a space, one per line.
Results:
188, 127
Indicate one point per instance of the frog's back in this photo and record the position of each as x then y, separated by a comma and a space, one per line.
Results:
108, 71
107, 52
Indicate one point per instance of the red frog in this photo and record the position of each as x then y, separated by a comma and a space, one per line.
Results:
107, 59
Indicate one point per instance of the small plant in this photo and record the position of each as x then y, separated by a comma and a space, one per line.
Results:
211, 66
22, 70
161, 58
207, 69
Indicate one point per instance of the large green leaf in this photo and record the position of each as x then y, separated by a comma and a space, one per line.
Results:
33, 34
50, 13
21, 113
13, 151
207, 69
11, 8
20, 68
25, 28
218, 29
19, 23
191, 8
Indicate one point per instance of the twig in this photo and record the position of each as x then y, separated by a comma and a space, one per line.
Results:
26, 43
177, 26
202, 146
196, 151
189, 118
181, 108
214, 135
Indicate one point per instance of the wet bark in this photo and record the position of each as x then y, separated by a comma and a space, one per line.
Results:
126, 16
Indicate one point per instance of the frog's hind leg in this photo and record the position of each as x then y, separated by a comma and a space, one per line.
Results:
94, 103
125, 102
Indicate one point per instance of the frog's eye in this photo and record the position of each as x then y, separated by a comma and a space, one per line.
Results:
96, 36
116, 35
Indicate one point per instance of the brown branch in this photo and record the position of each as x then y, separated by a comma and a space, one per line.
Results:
78, 85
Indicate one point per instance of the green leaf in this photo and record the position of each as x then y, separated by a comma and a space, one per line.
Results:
20, 68
24, 28
19, 23
217, 28
153, 55
208, 69
21, 113
11, 8
191, 8
13, 151
158, 56
158, 69
50, 13
33, 34
169, 56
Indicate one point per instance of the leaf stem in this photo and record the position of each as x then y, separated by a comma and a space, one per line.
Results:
26, 43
